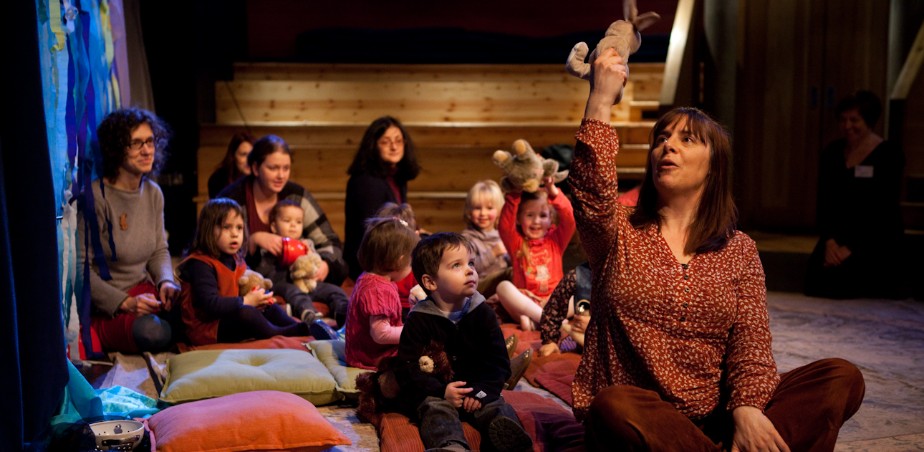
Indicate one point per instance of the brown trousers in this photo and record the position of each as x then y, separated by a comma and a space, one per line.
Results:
808, 408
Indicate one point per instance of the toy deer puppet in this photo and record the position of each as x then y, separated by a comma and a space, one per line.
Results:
622, 35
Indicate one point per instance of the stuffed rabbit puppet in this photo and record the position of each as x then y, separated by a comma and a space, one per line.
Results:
622, 35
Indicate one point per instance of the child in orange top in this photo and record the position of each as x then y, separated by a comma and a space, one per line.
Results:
212, 310
536, 246
374, 324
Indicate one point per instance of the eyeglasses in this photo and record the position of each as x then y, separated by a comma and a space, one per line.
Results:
385, 142
136, 145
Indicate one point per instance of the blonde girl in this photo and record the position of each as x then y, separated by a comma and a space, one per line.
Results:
483, 205
527, 229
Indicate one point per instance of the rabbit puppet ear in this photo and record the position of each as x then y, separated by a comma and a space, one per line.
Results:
646, 20
629, 10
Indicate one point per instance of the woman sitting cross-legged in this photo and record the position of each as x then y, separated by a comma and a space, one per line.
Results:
678, 355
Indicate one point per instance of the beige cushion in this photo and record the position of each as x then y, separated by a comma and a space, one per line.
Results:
213, 373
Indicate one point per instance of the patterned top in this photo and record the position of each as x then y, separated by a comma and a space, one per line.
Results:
697, 333
556, 310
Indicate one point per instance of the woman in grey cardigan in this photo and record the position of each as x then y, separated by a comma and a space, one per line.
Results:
122, 245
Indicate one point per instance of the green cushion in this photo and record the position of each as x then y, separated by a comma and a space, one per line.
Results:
213, 373
333, 355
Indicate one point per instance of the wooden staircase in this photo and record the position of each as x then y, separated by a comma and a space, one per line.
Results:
457, 115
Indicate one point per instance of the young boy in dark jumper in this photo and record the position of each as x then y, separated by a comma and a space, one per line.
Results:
455, 316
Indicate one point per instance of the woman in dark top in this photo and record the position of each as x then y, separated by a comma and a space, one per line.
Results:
381, 169
270, 165
859, 213
234, 165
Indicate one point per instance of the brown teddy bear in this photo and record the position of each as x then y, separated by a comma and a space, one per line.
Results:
524, 169
252, 279
622, 35
379, 391
304, 270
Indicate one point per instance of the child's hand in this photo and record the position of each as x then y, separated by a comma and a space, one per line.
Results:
549, 349
550, 187
455, 392
499, 249
416, 295
258, 298
471, 404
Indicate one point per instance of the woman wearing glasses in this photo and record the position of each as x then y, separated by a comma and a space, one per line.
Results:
381, 169
124, 242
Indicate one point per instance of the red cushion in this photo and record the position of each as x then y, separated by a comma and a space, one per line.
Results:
551, 426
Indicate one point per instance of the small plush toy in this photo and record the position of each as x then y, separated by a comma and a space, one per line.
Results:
434, 361
252, 279
303, 271
378, 391
622, 35
524, 169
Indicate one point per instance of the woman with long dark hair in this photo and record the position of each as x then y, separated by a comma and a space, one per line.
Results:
381, 169
678, 350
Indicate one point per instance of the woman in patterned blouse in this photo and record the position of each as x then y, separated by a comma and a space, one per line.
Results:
678, 351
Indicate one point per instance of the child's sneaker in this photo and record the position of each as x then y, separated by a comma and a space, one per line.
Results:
507, 435
321, 331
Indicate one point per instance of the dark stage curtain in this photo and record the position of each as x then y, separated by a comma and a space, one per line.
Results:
32, 344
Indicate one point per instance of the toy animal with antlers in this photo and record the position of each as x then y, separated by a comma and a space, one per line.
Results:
622, 35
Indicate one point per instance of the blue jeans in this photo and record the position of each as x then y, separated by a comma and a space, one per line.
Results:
441, 423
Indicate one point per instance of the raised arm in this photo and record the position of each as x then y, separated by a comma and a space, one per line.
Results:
593, 170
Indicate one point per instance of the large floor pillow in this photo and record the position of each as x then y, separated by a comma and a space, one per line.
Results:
555, 373
333, 355
551, 426
258, 420
204, 374
294, 343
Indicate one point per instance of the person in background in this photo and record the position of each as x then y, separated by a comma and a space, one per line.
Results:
406, 285
568, 305
859, 211
212, 309
483, 205
678, 354
130, 273
383, 165
234, 165
374, 323
286, 220
270, 164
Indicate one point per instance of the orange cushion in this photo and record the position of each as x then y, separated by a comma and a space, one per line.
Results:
257, 420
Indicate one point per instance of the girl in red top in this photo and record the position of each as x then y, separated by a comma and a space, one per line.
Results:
374, 324
212, 310
535, 246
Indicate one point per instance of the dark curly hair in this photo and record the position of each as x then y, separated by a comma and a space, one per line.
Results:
368, 159
115, 134
865, 102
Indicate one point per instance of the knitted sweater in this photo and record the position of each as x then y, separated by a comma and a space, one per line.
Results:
137, 219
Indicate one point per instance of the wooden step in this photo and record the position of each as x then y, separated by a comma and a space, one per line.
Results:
416, 93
